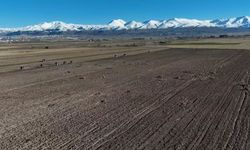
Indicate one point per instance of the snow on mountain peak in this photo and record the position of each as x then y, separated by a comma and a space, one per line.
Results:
182, 23
133, 25
117, 23
151, 24
243, 21
55, 25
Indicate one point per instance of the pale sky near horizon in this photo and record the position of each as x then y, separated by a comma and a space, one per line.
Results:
17, 13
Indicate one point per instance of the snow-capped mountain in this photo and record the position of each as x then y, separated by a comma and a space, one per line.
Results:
183, 23
119, 24
56, 25
133, 25
151, 24
243, 22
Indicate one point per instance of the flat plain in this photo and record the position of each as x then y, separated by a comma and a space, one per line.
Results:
125, 94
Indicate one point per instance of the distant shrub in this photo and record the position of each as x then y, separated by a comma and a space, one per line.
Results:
162, 42
212, 36
223, 36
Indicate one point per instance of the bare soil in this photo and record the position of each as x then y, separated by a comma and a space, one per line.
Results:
174, 99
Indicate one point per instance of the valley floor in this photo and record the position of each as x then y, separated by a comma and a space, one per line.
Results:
163, 99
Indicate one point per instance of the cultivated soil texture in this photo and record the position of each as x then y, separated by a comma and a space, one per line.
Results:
152, 97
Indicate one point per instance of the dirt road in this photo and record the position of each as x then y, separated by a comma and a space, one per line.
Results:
172, 99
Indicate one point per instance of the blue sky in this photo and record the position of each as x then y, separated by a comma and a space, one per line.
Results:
16, 13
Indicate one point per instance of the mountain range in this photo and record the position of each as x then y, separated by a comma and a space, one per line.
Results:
119, 24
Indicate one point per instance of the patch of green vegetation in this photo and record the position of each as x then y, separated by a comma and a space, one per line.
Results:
164, 42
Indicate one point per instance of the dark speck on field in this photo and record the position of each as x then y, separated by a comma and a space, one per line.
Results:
159, 77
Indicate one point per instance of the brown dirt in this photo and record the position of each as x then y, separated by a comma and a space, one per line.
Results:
171, 99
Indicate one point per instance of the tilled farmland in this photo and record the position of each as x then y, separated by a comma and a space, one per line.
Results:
174, 99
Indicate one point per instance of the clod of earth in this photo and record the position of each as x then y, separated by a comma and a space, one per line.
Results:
158, 77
